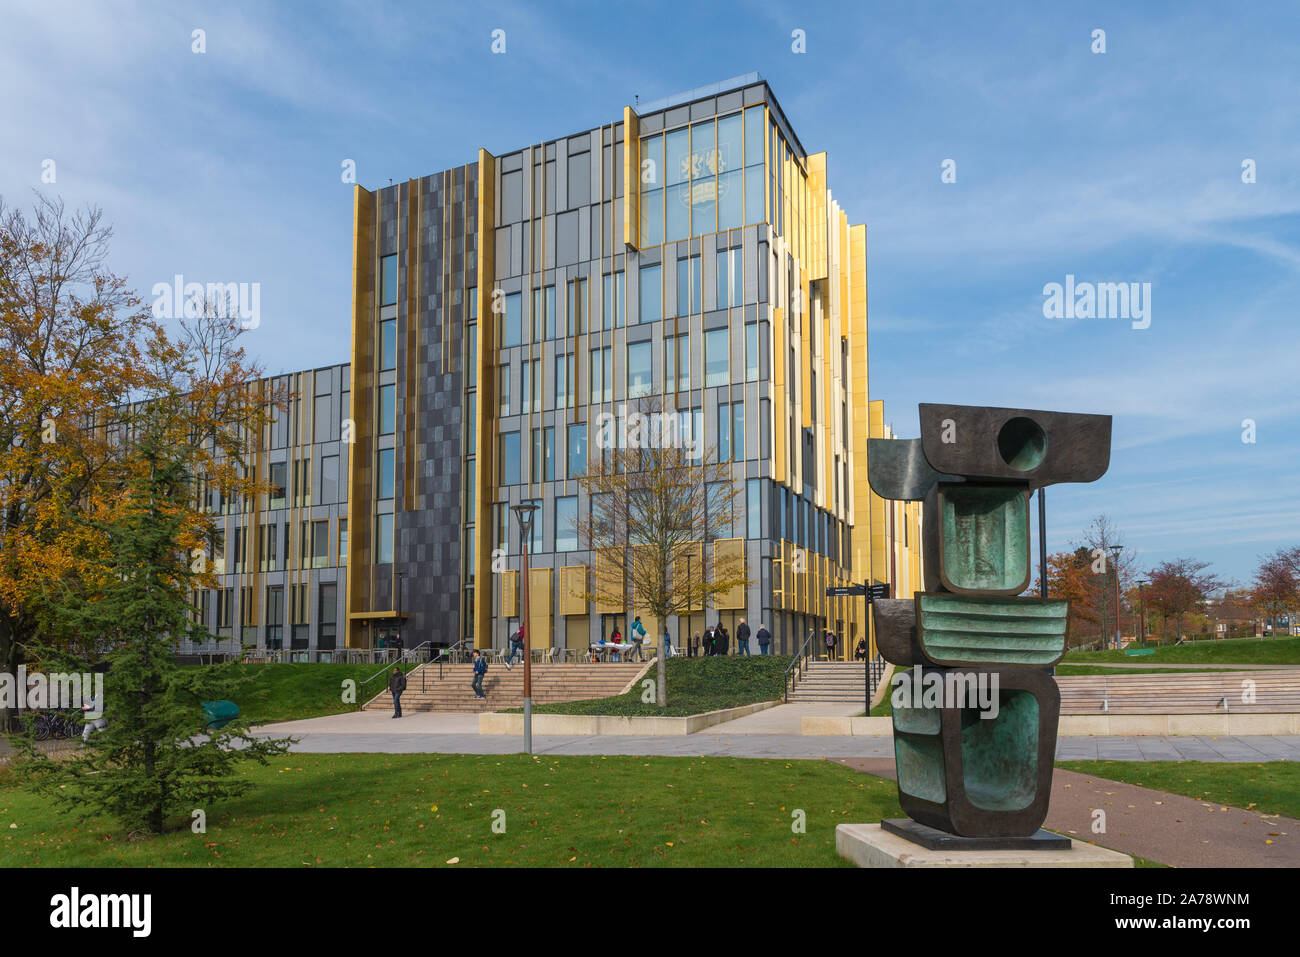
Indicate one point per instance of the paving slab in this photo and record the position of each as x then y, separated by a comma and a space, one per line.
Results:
1167, 828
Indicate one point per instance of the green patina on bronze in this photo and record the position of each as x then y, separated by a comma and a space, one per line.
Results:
999, 756
971, 629
920, 766
985, 540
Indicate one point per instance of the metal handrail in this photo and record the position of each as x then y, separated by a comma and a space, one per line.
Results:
798, 659
405, 655
442, 656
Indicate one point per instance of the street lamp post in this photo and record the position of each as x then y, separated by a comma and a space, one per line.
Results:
525, 515
1114, 561
690, 647
1142, 621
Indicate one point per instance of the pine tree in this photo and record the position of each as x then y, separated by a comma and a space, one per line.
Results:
154, 758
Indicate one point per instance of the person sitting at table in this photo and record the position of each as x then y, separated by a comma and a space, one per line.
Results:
616, 638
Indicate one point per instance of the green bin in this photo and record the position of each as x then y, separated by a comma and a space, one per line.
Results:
218, 714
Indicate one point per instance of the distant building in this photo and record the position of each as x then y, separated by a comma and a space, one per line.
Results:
498, 308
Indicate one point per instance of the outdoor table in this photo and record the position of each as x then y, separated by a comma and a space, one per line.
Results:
601, 649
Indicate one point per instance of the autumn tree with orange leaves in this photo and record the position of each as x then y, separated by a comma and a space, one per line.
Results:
80, 358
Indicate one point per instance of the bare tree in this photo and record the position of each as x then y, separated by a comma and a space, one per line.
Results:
656, 494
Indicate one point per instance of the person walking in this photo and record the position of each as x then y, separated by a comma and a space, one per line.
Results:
396, 685
710, 642
860, 653
742, 638
764, 639
830, 645
95, 724
668, 643
637, 632
480, 669
516, 647
695, 646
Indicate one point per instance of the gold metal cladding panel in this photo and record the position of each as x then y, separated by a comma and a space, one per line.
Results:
879, 515
817, 264
692, 570
856, 324
509, 593
609, 579
729, 562
805, 348
780, 438
360, 394
485, 416
573, 588
539, 608
631, 178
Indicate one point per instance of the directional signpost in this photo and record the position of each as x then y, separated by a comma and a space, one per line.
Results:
870, 593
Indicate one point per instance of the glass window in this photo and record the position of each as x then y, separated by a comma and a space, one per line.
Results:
652, 294
754, 136
542, 464
614, 299
677, 160
738, 431
471, 422
640, 372
652, 161
730, 147
677, 363
577, 450
471, 485
531, 387
717, 358
388, 280
388, 344
652, 218
343, 541
320, 543
473, 302
384, 479
512, 322
503, 388
328, 617
718, 508
704, 184
387, 409
754, 212
688, 286
544, 313
471, 371
510, 458
724, 432
751, 353
695, 433
384, 540
563, 376
329, 479
566, 518
677, 212
753, 508
601, 374
279, 479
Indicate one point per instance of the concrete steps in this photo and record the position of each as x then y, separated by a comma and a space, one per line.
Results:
832, 681
426, 691
1272, 692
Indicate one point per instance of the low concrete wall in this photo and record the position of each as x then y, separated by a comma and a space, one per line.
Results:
493, 722
1085, 725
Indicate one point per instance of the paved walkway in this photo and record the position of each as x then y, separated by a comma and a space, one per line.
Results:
1162, 827
432, 732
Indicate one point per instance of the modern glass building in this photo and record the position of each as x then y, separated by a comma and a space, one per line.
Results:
688, 253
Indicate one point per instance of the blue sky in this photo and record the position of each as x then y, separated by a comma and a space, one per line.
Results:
1115, 167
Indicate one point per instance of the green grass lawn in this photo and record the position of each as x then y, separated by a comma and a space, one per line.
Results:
1237, 651
1270, 788
694, 685
286, 692
364, 810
